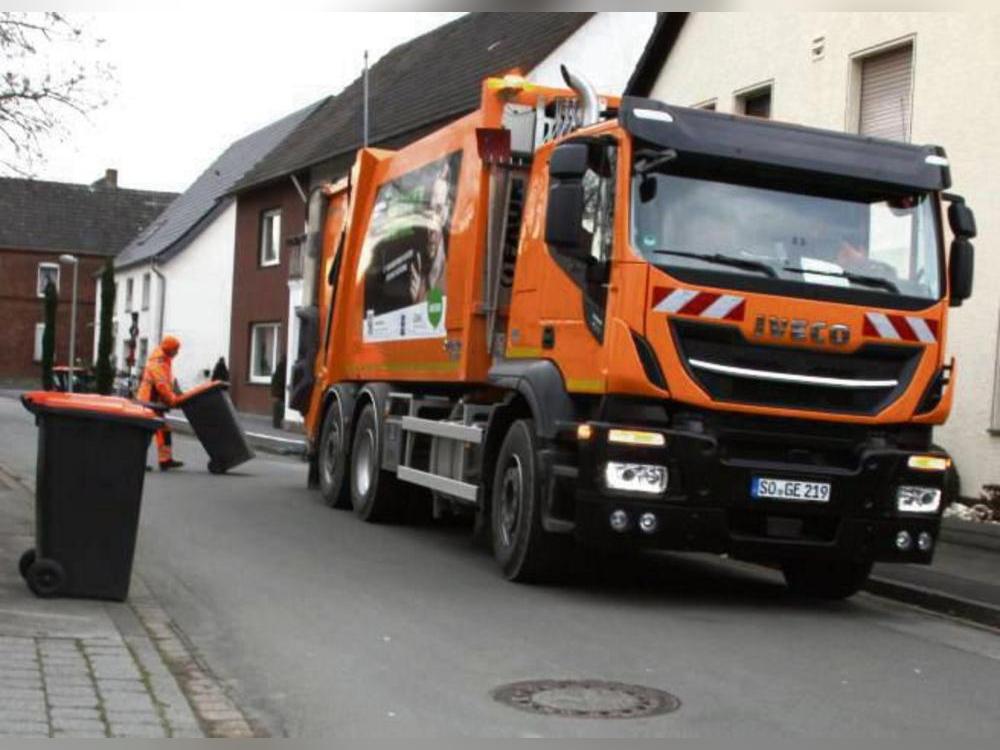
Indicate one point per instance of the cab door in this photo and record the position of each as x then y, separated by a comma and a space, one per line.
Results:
579, 233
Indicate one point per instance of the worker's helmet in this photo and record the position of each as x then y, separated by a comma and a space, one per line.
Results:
170, 345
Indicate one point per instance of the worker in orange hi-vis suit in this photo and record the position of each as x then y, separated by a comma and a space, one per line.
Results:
157, 386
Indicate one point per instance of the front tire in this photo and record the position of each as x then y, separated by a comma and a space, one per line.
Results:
838, 579
375, 493
332, 459
523, 549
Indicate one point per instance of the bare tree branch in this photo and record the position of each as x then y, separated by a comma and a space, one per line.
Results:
48, 72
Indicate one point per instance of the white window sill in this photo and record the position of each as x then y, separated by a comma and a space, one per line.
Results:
254, 380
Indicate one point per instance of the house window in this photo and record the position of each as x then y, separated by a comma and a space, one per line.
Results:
129, 289
263, 351
270, 237
755, 103
39, 334
710, 105
145, 291
47, 272
143, 352
885, 93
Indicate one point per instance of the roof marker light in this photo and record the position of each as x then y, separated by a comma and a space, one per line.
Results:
653, 114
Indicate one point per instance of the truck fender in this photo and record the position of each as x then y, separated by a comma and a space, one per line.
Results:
541, 385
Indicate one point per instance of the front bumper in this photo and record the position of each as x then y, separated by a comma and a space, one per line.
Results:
708, 506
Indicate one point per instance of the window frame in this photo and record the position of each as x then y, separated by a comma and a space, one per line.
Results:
852, 112
39, 289
146, 291
744, 95
266, 214
253, 377
129, 294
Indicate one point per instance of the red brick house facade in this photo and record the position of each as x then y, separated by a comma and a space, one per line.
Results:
41, 221
260, 289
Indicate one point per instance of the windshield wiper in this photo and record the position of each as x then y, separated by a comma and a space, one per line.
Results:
725, 260
854, 278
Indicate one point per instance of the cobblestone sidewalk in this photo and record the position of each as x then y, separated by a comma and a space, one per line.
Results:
77, 668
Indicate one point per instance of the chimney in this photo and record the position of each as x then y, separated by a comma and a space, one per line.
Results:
110, 180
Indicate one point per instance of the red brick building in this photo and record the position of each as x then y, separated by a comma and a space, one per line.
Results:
266, 219
41, 221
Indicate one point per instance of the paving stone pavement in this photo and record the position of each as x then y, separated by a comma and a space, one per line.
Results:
80, 669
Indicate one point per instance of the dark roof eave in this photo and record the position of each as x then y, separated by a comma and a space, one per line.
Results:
654, 56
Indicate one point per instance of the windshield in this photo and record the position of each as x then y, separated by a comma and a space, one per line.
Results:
887, 245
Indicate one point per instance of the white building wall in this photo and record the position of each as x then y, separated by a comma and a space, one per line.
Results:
147, 315
198, 304
604, 51
955, 104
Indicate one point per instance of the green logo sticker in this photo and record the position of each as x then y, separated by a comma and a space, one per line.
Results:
435, 307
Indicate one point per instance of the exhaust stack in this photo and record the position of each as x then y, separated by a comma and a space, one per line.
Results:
590, 107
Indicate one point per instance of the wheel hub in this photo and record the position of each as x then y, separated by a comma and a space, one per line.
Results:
364, 462
511, 500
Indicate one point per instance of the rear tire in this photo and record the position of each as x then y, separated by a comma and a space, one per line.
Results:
45, 577
838, 579
215, 468
332, 459
375, 493
524, 550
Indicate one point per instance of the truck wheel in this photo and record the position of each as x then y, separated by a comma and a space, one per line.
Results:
332, 459
26, 561
825, 580
45, 577
523, 549
374, 493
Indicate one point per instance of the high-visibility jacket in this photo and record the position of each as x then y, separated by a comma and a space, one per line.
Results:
157, 384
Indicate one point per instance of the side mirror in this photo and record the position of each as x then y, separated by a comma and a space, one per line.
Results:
962, 220
960, 270
564, 213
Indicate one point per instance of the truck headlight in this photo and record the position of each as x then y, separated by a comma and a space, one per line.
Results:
628, 477
918, 499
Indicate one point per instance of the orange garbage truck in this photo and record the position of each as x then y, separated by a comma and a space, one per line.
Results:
584, 320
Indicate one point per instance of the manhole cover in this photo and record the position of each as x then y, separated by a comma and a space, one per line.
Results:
586, 699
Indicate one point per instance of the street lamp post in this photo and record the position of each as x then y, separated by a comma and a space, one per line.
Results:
75, 262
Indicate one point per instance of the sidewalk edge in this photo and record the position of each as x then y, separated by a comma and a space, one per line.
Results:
935, 600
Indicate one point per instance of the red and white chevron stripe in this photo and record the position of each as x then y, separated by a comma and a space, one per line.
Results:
900, 327
700, 304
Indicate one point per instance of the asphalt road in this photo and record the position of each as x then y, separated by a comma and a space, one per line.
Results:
325, 626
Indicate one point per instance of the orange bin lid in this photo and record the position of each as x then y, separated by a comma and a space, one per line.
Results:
89, 404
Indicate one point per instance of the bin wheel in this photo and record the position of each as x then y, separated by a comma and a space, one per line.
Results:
216, 468
45, 577
26, 561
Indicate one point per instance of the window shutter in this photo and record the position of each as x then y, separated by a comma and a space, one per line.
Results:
886, 83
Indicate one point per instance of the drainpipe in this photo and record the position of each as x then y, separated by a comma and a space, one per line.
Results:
163, 301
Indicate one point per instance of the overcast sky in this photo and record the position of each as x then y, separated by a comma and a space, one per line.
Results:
188, 84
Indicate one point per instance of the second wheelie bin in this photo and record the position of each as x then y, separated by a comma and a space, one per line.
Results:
90, 470
212, 416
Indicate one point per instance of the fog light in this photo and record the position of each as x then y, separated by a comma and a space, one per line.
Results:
918, 499
903, 541
647, 523
646, 478
619, 521
584, 432
925, 541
